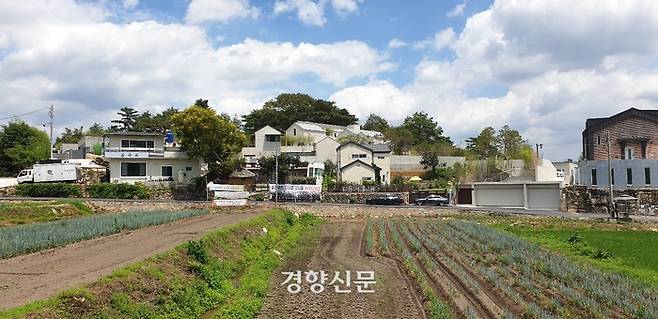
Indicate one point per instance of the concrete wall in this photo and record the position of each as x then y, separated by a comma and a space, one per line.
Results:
637, 167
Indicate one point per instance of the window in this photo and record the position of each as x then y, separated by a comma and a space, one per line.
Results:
133, 169
629, 153
612, 173
380, 157
647, 176
355, 156
598, 140
594, 181
273, 138
294, 131
137, 144
167, 171
629, 176
188, 168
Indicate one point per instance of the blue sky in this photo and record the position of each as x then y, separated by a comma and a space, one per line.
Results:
542, 67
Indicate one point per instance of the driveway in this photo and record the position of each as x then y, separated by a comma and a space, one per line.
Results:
7, 181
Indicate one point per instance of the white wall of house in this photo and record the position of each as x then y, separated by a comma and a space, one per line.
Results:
325, 150
358, 172
261, 142
383, 160
352, 152
546, 172
182, 169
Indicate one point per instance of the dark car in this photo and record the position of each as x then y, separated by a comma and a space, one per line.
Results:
387, 199
432, 200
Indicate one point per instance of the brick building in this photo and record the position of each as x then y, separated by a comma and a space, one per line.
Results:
633, 135
633, 149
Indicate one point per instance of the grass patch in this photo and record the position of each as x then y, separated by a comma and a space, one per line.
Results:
630, 252
19, 213
224, 275
29, 238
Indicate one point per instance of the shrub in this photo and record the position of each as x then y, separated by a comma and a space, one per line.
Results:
310, 180
118, 190
49, 190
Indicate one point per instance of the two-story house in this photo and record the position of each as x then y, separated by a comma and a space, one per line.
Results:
364, 162
633, 149
145, 157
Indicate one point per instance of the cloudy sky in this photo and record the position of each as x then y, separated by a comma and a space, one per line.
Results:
540, 66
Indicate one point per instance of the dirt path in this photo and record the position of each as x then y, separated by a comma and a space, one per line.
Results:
339, 249
40, 275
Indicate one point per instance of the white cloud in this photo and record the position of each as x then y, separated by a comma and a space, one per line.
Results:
379, 97
516, 64
396, 44
343, 7
439, 41
312, 12
458, 10
91, 67
309, 12
201, 11
130, 4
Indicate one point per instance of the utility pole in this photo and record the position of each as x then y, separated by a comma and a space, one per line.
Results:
51, 113
276, 177
611, 207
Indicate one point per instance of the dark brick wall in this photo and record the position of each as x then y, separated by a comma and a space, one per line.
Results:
629, 127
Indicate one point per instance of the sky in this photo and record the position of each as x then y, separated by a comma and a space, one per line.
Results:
542, 67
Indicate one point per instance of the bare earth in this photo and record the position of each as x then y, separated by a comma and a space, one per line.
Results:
339, 249
37, 276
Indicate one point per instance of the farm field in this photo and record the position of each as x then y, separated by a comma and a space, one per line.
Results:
18, 213
32, 277
630, 252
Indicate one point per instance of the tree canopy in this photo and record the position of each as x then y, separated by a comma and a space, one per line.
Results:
424, 129
376, 123
21, 146
126, 121
205, 134
286, 109
507, 143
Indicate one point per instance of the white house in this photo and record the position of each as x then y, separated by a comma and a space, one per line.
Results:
364, 162
144, 157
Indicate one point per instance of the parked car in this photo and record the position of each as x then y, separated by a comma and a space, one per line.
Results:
388, 199
432, 200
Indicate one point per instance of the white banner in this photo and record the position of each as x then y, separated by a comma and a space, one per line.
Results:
225, 187
230, 202
231, 195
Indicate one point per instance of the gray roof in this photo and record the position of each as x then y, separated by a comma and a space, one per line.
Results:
378, 148
135, 134
243, 173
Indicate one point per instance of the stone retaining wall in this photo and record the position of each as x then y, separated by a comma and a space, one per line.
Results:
357, 198
583, 199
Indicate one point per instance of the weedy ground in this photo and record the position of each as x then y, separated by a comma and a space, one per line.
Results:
18, 213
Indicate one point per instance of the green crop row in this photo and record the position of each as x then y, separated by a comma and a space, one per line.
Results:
16, 240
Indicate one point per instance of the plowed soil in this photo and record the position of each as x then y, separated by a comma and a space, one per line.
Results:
40, 275
339, 248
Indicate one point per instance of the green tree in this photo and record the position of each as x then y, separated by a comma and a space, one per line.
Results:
96, 130
401, 140
127, 119
430, 154
21, 146
286, 163
286, 109
70, 136
376, 123
510, 142
361, 139
485, 145
206, 135
202, 103
424, 129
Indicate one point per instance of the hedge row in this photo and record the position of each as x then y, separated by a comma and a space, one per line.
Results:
121, 191
49, 190
103, 190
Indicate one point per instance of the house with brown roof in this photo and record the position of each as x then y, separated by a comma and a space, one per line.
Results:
631, 139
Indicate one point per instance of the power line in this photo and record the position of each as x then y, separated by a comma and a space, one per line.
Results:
24, 114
